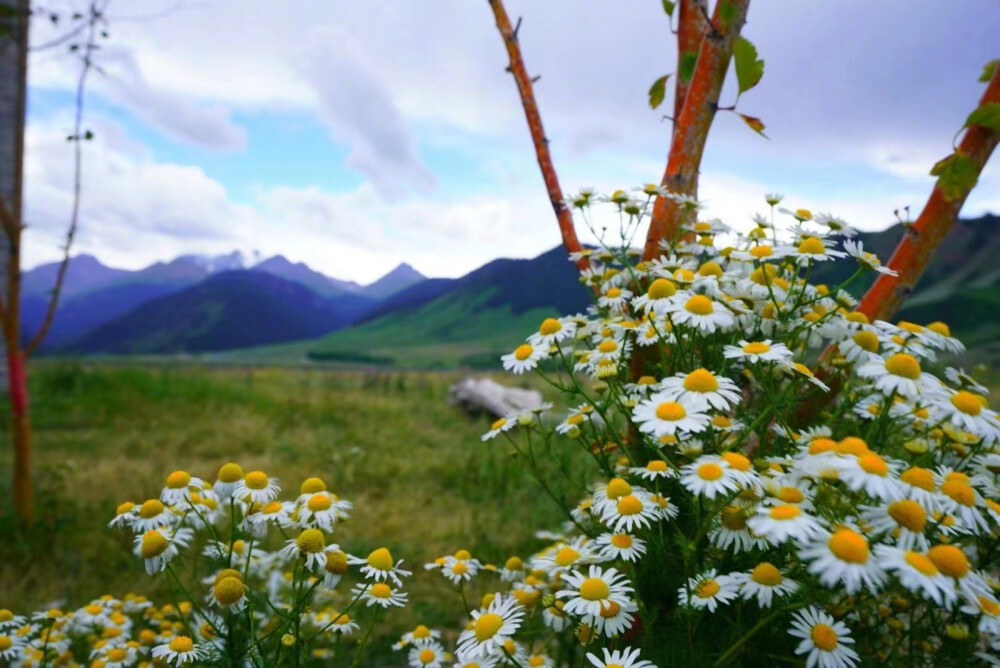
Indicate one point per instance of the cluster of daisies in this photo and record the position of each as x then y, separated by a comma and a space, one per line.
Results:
241, 594
766, 447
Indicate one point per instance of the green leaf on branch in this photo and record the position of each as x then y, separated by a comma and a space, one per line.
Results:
668, 7
749, 68
658, 91
755, 124
685, 70
987, 115
989, 70
957, 175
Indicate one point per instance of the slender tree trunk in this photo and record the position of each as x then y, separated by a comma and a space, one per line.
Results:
13, 94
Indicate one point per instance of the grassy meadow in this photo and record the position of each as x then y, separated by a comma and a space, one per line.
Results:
422, 482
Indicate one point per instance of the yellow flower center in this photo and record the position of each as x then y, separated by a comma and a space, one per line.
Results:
227, 573
549, 326
607, 346
178, 479
812, 246
852, 446
498, 424
849, 546
762, 251
824, 637
487, 626
939, 328
120, 510
319, 502
766, 574
873, 464
380, 590
903, 365
566, 556
670, 411
117, 654
699, 305
721, 422
336, 562
228, 591
153, 544
181, 644
6, 615
609, 609
256, 480
613, 293
514, 564
311, 541
707, 588
785, 512
629, 505
736, 461
701, 380
733, 518
661, 288
380, 559
756, 348
150, 509
523, 352
804, 214
421, 632
710, 471
657, 465
919, 477
710, 269
990, 607
908, 514
312, 486
594, 589
684, 275
230, 472
967, 402
950, 560
866, 341
618, 488
790, 494
960, 492
921, 563
459, 568
621, 540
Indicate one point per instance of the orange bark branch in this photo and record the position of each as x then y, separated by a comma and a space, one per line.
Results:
694, 121
884, 299
541, 142
691, 27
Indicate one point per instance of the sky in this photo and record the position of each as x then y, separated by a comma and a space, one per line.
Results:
353, 136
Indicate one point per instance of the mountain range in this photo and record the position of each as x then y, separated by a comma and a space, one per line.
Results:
282, 311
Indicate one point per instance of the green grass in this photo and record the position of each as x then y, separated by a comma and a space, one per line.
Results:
422, 482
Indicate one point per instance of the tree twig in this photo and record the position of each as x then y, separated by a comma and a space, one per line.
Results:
886, 296
96, 13
694, 122
541, 142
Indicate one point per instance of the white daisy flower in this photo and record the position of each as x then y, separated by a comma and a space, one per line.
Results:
228, 591
257, 487
720, 392
323, 510
11, 648
524, 358
379, 593
595, 591
513, 569
917, 573
621, 546
969, 412
868, 260
843, 557
813, 248
965, 381
379, 566
900, 373
311, 546
421, 636
763, 583
732, 532
179, 651
708, 590
615, 299
777, 524
753, 352
905, 519
658, 297
460, 570
871, 473
655, 469
659, 415
153, 514
158, 546
630, 512
500, 426
228, 478
564, 556
710, 476
491, 628
626, 658
431, 655
824, 639
701, 313
836, 225
553, 331
179, 486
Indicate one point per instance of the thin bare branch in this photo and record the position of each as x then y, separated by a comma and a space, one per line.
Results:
541, 142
